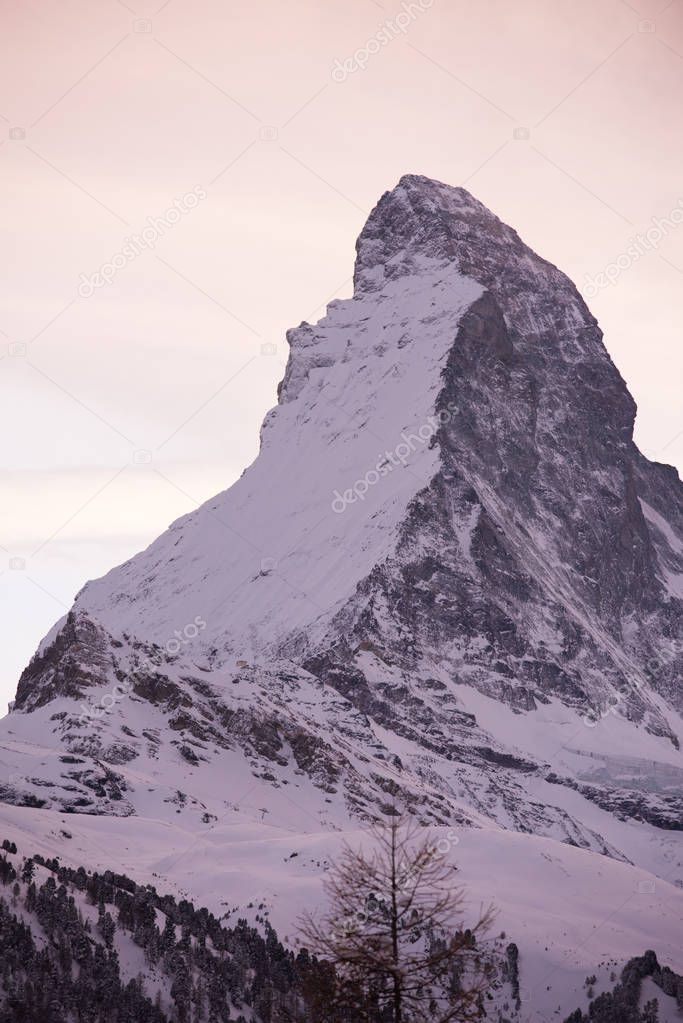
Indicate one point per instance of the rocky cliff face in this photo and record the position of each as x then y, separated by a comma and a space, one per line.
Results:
533, 565
450, 581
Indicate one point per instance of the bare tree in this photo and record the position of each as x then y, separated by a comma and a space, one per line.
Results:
394, 932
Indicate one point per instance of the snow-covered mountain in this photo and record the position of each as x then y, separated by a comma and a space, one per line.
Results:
449, 582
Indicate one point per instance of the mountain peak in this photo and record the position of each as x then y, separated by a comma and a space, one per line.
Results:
448, 559
417, 184
421, 184
422, 220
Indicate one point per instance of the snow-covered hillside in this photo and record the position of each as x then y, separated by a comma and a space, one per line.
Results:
449, 582
571, 913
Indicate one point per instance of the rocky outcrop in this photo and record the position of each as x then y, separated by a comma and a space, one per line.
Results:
79, 657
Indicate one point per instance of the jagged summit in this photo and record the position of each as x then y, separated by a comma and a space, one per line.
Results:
448, 578
420, 218
422, 221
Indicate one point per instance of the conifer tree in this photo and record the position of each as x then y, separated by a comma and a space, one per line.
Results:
395, 933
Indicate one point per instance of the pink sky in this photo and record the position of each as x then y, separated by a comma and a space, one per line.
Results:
124, 409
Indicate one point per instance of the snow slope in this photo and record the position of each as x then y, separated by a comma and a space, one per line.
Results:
271, 554
571, 913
